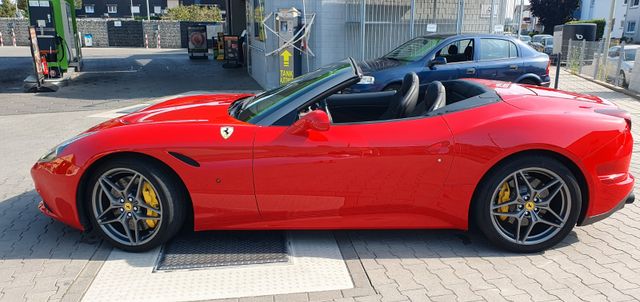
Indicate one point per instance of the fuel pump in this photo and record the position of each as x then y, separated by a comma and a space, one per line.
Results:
56, 32
288, 23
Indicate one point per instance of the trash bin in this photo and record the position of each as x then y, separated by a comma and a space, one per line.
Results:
88, 40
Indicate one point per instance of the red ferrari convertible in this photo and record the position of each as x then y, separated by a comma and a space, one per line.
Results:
522, 164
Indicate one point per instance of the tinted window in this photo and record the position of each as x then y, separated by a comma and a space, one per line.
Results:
495, 49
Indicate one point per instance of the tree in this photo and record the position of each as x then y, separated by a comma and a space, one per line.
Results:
553, 12
194, 13
23, 5
7, 9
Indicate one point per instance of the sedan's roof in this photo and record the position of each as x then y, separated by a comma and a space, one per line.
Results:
465, 35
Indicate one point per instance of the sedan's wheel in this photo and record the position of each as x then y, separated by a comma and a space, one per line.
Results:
135, 205
623, 79
529, 204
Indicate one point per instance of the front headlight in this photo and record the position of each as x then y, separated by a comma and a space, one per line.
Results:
55, 151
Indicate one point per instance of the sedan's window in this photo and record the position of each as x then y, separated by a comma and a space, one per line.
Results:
414, 49
458, 51
614, 52
630, 54
497, 49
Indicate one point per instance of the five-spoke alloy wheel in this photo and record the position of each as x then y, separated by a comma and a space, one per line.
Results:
134, 204
528, 204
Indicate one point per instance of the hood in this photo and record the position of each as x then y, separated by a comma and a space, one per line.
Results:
211, 108
370, 66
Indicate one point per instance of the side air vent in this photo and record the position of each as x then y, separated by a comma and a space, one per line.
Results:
185, 159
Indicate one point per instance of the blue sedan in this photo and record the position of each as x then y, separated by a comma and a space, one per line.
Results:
438, 57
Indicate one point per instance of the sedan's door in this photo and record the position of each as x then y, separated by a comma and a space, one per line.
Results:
499, 60
353, 175
459, 55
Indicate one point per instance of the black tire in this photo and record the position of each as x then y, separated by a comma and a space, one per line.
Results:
529, 81
172, 199
623, 80
494, 228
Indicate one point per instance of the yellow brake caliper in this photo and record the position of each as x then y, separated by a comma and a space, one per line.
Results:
503, 196
150, 199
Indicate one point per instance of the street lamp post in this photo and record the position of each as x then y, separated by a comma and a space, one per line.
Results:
148, 12
520, 18
607, 37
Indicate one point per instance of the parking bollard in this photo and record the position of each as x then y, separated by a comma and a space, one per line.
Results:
1, 40
158, 43
146, 41
13, 37
559, 57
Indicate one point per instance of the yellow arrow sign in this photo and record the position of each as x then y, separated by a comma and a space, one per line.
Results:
286, 56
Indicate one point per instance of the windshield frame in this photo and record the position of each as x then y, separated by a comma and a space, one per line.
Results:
279, 109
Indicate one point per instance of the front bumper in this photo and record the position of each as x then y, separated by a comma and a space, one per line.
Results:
627, 200
56, 183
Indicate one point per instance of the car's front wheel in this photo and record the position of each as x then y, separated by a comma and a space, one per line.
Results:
135, 205
528, 204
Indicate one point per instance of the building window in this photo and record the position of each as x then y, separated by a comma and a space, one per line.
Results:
135, 9
631, 27
625, 2
635, 3
112, 8
89, 9
157, 10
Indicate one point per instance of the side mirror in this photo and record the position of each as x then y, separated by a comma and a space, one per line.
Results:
317, 120
437, 61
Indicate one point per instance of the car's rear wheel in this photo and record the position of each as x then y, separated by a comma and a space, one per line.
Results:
135, 205
528, 204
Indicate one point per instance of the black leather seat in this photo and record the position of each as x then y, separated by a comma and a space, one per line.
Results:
468, 53
403, 103
435, 97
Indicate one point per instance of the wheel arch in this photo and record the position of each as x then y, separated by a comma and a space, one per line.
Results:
81, 204
570, 164
529, 76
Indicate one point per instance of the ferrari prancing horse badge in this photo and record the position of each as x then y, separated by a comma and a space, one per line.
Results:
226, 131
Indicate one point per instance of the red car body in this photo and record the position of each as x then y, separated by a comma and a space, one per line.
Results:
411, 173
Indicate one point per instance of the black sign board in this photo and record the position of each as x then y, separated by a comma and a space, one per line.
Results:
231, 51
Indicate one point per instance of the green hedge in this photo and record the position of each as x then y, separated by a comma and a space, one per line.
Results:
600, 24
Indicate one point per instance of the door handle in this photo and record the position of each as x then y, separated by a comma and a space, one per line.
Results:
471, 70
513, 67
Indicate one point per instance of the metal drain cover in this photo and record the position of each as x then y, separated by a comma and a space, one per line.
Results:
225, 248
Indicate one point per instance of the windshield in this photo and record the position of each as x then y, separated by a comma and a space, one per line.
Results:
249, 108
414, 49
548, 41
630, 54
525, 38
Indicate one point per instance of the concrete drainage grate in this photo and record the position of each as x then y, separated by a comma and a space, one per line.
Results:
225, 248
